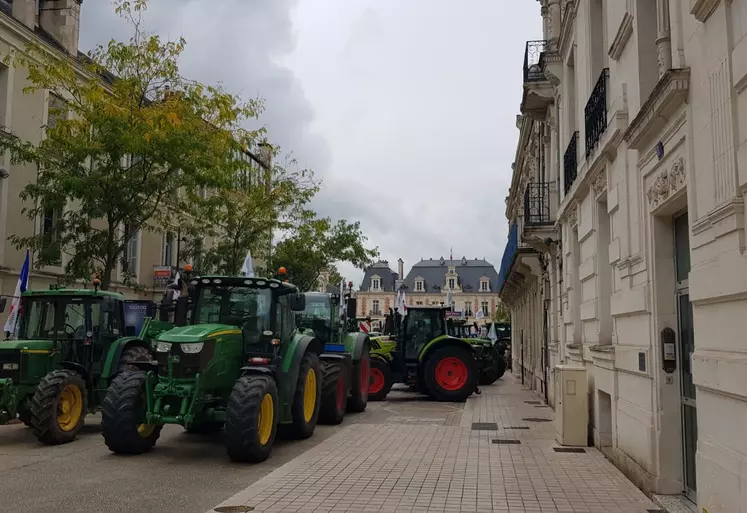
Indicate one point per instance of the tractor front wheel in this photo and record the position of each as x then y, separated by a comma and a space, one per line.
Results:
334, 393
123, 416
381, 380
451, 374
306, 400
133, 354
251, 419
58, 407
359, 385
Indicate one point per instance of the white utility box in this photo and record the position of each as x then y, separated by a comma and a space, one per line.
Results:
572, 405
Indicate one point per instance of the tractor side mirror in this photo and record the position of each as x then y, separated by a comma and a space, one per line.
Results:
298, 302
3, 303
181, 310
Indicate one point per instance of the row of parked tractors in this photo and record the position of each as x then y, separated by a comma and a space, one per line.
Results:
251, 356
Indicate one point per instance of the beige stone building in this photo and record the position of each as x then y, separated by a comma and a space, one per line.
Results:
626, 251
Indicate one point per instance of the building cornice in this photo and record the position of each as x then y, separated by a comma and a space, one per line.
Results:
702, 9
566, 25
624, 31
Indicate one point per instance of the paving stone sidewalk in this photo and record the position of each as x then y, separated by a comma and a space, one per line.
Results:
510, 467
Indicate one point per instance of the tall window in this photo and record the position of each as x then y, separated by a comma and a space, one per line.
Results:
131, 256
468, 308
50, 234
56, 110
484, 286
485, 308
375, 283
197, 255
419, 286
376, 310
452, 283
168, 249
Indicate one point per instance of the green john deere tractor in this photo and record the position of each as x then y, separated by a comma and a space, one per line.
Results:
424, 356
493, 361
238, 363
71, 344
345, 361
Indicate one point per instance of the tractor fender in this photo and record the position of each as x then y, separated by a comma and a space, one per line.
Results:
362, 340
386, 358
77, 368
443, 341
299, 346
257, 370
115, 353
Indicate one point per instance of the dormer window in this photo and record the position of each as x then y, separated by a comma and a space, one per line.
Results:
376, 283
419, 285
484, 285
452, 283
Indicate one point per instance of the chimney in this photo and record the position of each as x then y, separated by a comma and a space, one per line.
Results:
61, 20
401, 269
25, 12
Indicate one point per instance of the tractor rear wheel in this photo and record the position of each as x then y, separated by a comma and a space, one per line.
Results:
493, 371
123, 416
451, 374
251, 419
381, 380
59, 406
306, 400
360, 382
334, 393
25, 417
133, 354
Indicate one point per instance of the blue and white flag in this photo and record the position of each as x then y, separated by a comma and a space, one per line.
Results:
11, 325
248, 269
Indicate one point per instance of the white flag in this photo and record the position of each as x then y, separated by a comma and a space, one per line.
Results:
491, 333
177, 291
248, 269
403, 306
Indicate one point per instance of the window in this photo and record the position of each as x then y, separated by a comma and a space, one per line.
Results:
50, 232
56, 111
484, 285
168, 248
376, 310
419, 286
485, 308
452, 283
419, 303
376, 283
468, 308
131, 256
197, 255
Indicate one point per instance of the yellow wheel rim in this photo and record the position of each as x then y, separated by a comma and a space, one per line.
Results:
266, 419
145, 430
70, 407
309, 395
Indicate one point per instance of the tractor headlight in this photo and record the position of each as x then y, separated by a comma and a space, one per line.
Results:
163, 347
10, 366
192, 348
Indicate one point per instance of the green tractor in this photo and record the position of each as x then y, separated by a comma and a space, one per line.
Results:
71, 344
493, 362
235, 361
424, 356
346, 359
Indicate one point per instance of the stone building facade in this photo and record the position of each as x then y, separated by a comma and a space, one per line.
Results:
626, 252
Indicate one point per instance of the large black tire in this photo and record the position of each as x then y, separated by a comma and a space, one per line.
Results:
123, 415
302, 425
381, 380
334, 393
455, 366
359, 383
133, 354
247, 438
59, 393
25, 417
492, 371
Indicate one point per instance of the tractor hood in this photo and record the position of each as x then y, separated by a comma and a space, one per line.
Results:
31, 346
196, 333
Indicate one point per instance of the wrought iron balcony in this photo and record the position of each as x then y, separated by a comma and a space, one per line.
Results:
512, 246
534, 65
570, 162
595, 113
537, 204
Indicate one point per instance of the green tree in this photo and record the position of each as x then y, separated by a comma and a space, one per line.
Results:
129, 144
501, 314
334, 276
317, 244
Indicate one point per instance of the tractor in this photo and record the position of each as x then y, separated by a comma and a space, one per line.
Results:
239, 364
345, 362
493, 362
71, 344
425, 357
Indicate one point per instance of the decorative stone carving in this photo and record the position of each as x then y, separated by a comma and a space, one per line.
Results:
599, 182
666, 184
572, 214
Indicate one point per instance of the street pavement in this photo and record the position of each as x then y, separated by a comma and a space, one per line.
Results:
448, 464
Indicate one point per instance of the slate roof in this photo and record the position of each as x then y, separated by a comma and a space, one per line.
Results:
381, 269
433, 272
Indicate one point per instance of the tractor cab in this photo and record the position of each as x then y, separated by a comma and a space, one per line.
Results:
319, 316
419, 327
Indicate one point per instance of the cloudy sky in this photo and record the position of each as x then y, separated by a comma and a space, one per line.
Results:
405, 108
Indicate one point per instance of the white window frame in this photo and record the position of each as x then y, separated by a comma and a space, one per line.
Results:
485, 307
452, 283
132, 254
375, 306
484, 285
376, 283
419, 286
468, 308
164, 245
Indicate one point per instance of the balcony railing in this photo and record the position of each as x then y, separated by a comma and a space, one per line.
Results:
534, 65
570, 163
374, 312
512, 246
595, 113
537, 204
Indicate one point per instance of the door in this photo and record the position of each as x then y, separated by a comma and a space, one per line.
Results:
686, 348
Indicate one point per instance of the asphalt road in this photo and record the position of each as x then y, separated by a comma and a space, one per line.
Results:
183, 474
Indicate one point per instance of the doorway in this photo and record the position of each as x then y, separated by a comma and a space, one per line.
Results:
686, 348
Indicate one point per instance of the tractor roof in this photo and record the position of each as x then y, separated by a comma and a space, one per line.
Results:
245, 281
73, 292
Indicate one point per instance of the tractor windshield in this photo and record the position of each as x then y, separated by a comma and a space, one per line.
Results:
317, 307
245, 307
52, 318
